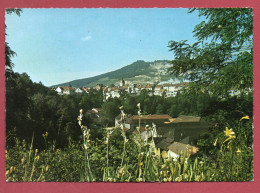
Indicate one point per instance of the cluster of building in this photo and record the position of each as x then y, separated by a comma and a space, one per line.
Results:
173, 136
69, 90
166, 135
168, 90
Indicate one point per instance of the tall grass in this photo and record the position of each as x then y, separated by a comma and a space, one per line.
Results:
117, 158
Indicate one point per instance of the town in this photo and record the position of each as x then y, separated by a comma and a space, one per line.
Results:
172, 136
169, 90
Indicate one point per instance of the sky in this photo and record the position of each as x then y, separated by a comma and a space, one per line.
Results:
59, 45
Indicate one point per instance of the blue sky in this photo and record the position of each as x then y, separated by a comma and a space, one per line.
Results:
59, 45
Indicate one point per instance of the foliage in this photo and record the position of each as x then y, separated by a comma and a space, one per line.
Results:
9, 53
33, 108
230, 162
222, 58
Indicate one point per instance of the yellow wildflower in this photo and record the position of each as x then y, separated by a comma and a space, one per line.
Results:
245, 117
164, 155
229, 132
238, 151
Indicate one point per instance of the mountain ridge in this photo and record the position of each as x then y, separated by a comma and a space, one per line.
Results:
140, 72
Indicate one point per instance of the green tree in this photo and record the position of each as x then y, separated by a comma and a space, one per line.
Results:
110, 111
221, 59
9, 53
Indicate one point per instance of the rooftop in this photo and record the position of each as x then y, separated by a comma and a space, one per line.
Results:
186, 119
180, 148
67, 88
163, 142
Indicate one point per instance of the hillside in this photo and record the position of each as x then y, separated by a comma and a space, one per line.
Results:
139, 72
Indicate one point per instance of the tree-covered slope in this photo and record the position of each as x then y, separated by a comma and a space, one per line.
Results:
137, 72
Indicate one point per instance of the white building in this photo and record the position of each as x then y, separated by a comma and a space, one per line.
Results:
78, 91
61, 90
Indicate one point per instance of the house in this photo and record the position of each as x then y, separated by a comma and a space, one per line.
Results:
160, 144
132, 89
161, 92
149, 87
186, 126
122, 82
115, 93
172, 148
146, 134
85, 90
98, 87
184, 129
106, 95
172, 89
111, 93
126, 124
144, 120
78, 91
133, 121
157, 89
169, 87
176, 149
65, 90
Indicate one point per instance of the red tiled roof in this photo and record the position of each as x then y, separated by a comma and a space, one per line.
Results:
67, 88
84, 89
149, 119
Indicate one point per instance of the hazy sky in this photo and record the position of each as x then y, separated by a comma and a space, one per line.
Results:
59, 45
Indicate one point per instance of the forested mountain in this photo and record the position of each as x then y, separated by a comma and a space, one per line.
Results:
140, 72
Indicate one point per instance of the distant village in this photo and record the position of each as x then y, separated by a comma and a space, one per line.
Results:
168, 90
